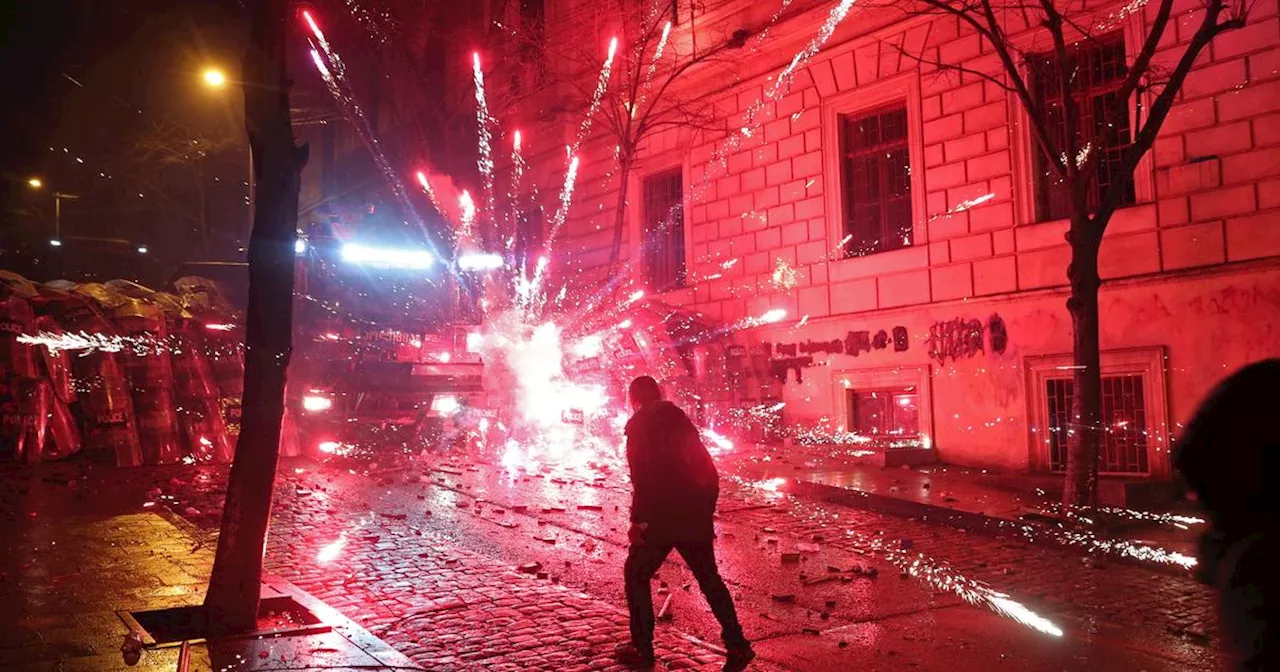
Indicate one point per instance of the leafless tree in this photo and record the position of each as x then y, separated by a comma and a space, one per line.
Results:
1088, 146
169, 160
235, 584
648, 90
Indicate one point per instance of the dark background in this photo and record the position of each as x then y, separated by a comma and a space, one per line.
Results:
92, 86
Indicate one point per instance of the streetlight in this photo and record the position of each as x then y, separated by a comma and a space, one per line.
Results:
215, 78
58, 197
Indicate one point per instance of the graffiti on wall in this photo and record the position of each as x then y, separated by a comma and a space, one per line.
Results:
788, 357
960, 338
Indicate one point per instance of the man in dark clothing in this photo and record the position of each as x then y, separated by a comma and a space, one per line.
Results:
674, 490
1228, 455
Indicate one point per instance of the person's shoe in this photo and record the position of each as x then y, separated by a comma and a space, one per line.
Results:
635, 657
738, 657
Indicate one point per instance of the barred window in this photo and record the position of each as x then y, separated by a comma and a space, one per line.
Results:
1098, 68
1124, 424
663, 252
876, 177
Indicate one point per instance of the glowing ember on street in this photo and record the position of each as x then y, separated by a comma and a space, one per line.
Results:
331, 551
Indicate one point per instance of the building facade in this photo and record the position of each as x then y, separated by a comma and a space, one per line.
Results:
899, 214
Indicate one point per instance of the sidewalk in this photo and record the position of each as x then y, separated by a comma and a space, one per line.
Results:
81, 553
103, 540
972, 499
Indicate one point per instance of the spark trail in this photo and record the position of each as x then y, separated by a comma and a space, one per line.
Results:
332, 71
484, 160
602, 85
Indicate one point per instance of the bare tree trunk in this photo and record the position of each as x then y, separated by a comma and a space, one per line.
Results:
1084, 437
232, 600
620, 213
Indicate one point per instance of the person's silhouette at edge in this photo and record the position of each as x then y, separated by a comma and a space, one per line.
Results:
674, 491
1227, 455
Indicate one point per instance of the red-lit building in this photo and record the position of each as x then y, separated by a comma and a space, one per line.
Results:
897, 213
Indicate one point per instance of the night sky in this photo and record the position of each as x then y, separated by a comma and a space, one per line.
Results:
93, 77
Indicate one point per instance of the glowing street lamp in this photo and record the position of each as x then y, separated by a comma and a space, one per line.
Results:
35, 183
215, 78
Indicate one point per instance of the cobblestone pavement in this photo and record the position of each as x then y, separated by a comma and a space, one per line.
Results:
461, 566
428, 557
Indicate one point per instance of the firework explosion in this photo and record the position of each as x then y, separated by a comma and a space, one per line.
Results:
555, 379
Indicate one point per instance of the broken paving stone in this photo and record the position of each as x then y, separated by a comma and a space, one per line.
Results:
542, 575
807, 548
788, 558
530, 567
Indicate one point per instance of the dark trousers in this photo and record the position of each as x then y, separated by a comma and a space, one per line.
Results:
643, 562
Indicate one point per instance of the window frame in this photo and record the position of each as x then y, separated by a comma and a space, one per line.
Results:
1045, 192
852, 401
1147, 362
643, 169
1023, 146
682, 274
904, 88
892, 378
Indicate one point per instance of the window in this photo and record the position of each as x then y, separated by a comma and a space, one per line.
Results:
1135, 422
889, 414
663, 232
876, 175
1124, 423
1098, 67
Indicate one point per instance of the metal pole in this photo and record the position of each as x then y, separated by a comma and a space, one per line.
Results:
57, 217
252, 189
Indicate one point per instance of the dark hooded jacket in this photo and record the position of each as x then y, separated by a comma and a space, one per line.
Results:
674, 481
1228, 455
